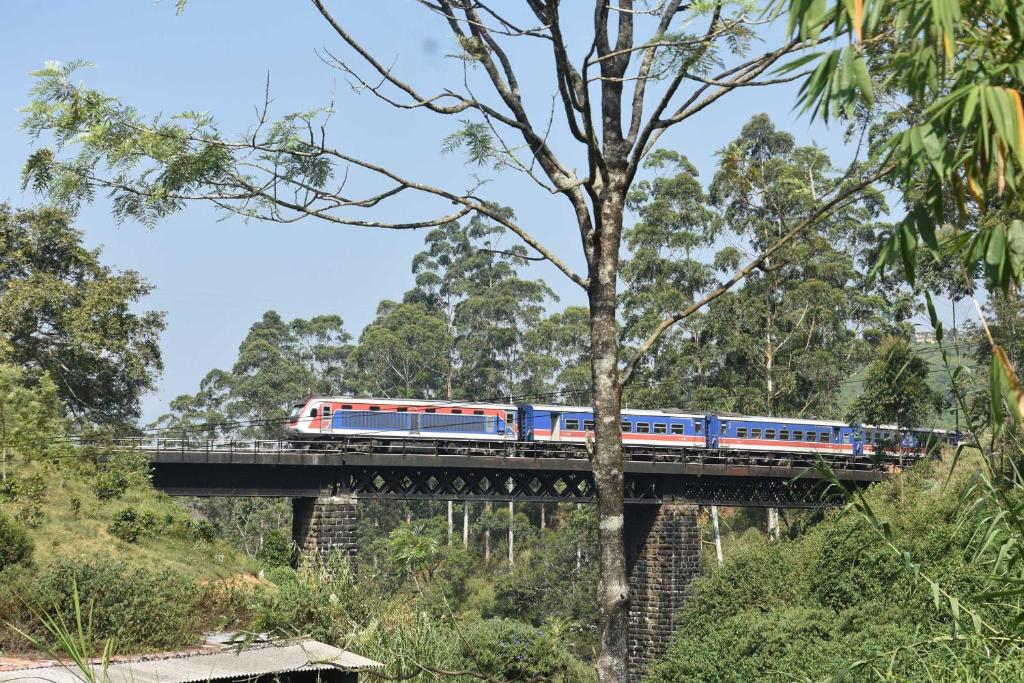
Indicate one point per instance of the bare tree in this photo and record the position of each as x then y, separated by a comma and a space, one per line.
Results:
614, 101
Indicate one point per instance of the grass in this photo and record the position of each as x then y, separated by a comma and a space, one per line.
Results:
63, 532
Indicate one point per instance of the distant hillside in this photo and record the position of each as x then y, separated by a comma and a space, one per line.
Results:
937, 378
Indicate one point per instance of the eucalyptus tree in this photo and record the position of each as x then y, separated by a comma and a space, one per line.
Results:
474, 282
403, 352
278, 362
783, 342
641, 72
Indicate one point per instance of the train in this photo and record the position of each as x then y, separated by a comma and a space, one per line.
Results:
559, 428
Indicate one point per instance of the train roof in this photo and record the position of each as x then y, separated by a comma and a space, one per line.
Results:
625, 411
413, 402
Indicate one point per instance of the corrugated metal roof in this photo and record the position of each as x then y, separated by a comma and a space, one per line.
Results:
307, 655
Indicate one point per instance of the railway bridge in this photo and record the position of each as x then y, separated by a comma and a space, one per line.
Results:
326, 481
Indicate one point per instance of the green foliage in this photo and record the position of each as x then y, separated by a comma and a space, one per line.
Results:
839, 599
510, 650
403, 352
278, 363
896, 389
321, 600
783, 342
138, 608
15, 545
132, 525
68, 320
277, 550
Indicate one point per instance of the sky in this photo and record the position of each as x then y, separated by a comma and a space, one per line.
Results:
214, 275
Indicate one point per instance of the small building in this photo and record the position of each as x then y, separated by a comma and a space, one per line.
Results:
924, 337
304, 661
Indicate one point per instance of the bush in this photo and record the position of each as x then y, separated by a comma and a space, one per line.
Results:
321, 601
203, 531
138, 608
277, 550
110, 484
15, 545
509, 650
129, 525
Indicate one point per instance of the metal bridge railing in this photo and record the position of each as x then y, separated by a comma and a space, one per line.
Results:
402, 446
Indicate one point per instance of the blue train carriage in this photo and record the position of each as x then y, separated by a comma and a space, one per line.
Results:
746, 433
324, 417
575, 425
895, 441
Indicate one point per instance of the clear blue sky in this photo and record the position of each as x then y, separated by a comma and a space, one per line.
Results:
214, 276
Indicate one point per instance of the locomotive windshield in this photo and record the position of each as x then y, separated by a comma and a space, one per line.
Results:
296, 409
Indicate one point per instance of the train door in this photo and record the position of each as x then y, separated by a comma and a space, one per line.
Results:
556, 426
857, 439
325, 417
714, 431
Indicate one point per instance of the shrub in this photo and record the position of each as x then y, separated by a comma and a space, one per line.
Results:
203, 531
127, 525
277, 550
138, 608
509, 650
110, 484
15, 545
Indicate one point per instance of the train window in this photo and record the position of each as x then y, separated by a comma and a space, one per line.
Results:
402, 409
783, 435
677, 429
588, 425
725, 427
312, 412
823, 437
456, 411
431, 410
769, 434
510, 417
626, 426
326, 411
643, 427
660, 428
741, 433
346, 406
572, 425
478, 412
798, 435
698, 426
374, 407
755, 433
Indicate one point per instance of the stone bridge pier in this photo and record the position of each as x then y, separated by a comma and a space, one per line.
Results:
662, 557
325, 524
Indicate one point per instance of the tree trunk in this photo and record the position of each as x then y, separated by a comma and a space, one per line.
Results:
718, 535
608, 457
451, 520
465, 525
511, 535
487, 537
542, 520
773, 524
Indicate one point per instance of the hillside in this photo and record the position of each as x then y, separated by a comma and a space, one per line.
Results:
938, 379
155, 576
835, 600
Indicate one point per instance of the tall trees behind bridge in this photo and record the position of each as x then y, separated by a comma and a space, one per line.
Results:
478, 325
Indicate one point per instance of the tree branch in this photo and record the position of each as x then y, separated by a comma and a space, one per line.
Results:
666, 323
